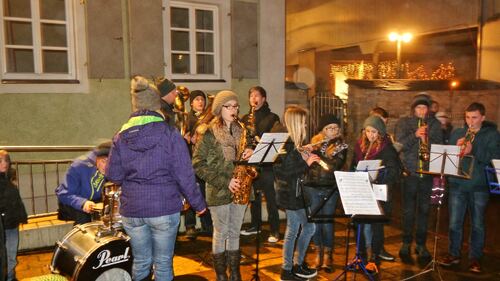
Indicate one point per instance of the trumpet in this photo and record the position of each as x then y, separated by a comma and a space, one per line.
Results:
469, 138
423, 149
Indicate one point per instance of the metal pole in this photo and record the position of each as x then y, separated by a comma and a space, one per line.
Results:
398, 58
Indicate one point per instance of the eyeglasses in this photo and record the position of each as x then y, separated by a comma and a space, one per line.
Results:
332, 128
231, 106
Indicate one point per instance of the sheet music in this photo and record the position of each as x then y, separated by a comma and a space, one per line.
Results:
370, 166
356, 193
266, 139
380, 192
496, 165
451, 161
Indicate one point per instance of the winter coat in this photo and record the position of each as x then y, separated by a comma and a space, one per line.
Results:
211, 165
11, 204
319, 177
83, 182
485, 147
405, 134
150, 160
264, 122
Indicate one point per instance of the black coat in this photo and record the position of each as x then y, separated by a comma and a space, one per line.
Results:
11, 204
288, 170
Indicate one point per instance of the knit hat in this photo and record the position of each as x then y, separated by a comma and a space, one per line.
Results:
197, 93
103, 149
145, 96
377, 123
165, 86
421, 99
220, 99
326, 120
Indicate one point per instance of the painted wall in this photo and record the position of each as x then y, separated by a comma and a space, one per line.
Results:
490, 51
325, 24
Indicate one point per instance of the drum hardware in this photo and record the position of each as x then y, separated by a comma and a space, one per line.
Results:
83, 256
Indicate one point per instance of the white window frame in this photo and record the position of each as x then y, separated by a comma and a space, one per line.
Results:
76, 80
222, 45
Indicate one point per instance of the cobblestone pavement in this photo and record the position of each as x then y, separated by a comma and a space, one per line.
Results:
193, 260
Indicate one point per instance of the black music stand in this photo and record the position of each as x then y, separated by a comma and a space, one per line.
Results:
432, 266
357, 262
261, 158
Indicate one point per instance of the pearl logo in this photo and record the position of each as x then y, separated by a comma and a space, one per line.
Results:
105, 258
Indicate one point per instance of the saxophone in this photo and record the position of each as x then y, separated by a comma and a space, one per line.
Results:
246, 174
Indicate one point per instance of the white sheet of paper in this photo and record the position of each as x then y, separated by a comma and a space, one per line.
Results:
451, 161
356, 193
370, 166
259, 151
380, 191
496, 165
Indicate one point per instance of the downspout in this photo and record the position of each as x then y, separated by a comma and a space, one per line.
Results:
479, 39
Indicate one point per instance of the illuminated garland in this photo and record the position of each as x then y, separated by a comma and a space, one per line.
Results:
388, 70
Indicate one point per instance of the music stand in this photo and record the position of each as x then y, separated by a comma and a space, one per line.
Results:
263, 154
446, 161
365, 212
491, 174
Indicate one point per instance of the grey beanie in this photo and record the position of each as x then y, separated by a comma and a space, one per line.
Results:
421, 99
377, 123
145, 96
220, 99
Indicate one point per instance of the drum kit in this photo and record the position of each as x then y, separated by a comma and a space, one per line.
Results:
98, 250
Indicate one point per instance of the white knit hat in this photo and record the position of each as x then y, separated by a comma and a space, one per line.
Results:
220, 99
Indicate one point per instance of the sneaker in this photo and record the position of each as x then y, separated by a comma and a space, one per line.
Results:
449, 260
372, 268
273, 238
191, 233
475, 266
304, 271
249, 231
386, 256
287, 275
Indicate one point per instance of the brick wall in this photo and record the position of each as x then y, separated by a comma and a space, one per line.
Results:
397, 103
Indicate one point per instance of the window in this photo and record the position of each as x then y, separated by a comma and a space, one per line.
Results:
37, 41
193, 43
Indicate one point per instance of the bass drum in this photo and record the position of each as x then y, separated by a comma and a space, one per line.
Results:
85, 255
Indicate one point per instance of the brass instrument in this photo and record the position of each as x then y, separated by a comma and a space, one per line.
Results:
423, 149
181, 122
469, 138
246, 174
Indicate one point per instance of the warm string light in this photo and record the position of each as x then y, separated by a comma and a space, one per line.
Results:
388, 70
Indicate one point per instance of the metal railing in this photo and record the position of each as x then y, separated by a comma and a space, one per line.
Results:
322, 103
38, 179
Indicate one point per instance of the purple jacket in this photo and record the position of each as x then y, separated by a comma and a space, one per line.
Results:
150, 160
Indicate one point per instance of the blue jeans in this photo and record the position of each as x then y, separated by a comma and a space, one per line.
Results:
323, 236
227, 220
11, 243
153, 242
295, 219
416, 198
459, 202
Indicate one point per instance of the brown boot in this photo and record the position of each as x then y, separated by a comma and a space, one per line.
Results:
327, 265
318, 260
220, 266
